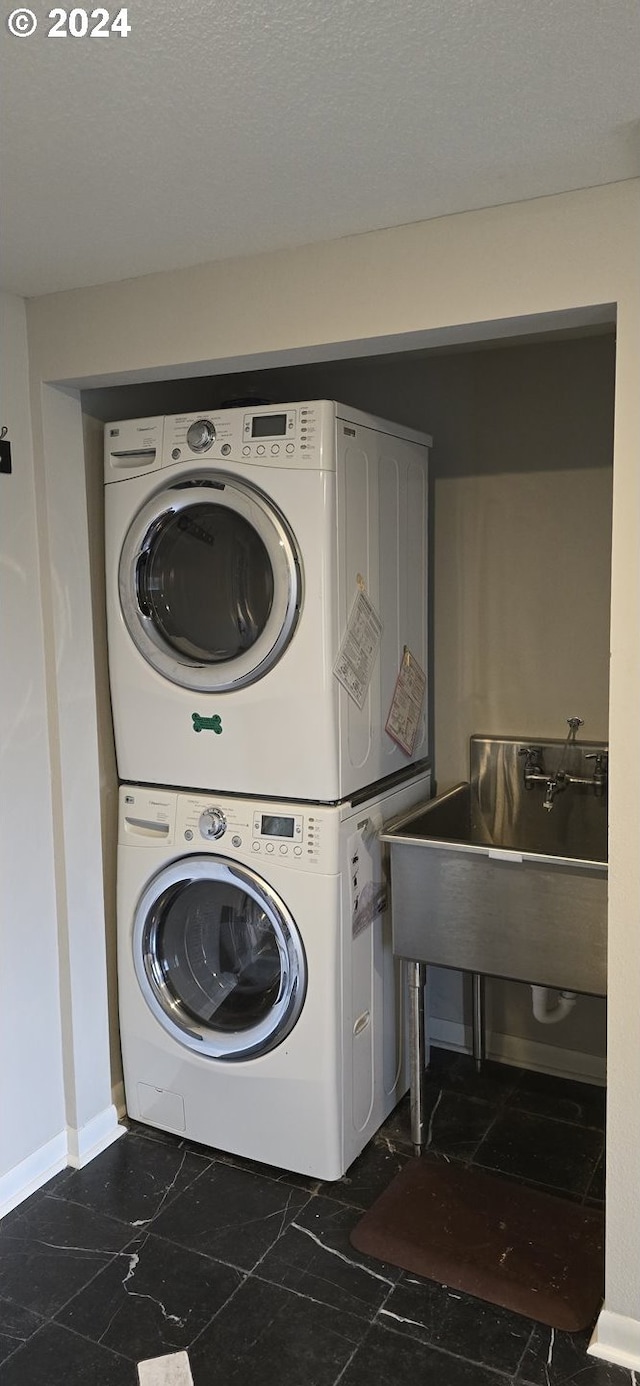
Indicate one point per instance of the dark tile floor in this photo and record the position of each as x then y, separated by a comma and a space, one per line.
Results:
160, 1246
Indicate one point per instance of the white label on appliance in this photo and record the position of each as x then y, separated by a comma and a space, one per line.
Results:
371, 903
368, 895
357, 654
407, 703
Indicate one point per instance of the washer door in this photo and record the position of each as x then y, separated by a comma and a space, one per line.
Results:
210, 583
218, 958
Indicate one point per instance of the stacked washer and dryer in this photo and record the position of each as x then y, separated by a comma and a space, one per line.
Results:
266, 586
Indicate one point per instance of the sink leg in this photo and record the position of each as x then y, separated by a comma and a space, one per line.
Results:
478, 1018
417, 976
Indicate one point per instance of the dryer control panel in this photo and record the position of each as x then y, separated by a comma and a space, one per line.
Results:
296, 435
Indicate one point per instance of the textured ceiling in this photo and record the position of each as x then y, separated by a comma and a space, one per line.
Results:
223, 129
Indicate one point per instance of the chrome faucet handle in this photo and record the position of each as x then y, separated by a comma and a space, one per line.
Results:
600, 771
532, 769
573, 723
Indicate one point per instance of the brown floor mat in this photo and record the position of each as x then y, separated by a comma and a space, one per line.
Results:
511, 1245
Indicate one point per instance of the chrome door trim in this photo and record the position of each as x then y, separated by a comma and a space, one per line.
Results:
274, 1027
264, 517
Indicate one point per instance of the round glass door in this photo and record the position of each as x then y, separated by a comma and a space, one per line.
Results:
210, 583
218, 958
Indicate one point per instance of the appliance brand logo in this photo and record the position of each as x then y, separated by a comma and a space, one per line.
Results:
213, 724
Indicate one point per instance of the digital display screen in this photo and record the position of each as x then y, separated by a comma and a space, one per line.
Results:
273, 826
269, 426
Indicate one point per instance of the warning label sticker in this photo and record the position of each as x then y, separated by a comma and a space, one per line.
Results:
357, 654
407, 703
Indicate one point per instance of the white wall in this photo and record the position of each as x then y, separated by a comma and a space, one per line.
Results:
357, 296
33, 1127
522, 525
108, 781
76, 779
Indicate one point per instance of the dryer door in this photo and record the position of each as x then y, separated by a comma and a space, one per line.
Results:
218, 958
210, 583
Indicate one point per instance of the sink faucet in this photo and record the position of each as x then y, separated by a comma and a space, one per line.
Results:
536, 774
555, 785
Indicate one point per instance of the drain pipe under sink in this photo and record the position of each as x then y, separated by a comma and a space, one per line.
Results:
565, 1003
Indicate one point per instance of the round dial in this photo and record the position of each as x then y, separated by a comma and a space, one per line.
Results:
212, 823
201, 435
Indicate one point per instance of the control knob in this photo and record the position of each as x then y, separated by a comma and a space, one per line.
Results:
212, 823
201, 435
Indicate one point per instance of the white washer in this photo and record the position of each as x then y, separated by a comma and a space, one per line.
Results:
261, 1008
236, 544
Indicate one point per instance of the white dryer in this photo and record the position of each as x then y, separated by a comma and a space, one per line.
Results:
260, 1005
236, 545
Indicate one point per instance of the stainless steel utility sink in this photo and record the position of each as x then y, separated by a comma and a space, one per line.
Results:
485, 879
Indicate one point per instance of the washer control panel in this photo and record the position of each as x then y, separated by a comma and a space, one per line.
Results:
291, 834
302, 837
277, 832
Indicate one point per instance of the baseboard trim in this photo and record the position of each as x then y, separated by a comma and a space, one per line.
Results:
24, 1179
547, 1058
450, 1034
70, 1147
521, 1052
616, 1339
90, 1140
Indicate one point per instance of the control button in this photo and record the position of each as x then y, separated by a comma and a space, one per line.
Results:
269, 846
291, 447
246, 452
255, 846
175, 453
212, 823
275, 448
283, 849
188, 837
225, 449
201, 435
297, 851
237, 841
260, 450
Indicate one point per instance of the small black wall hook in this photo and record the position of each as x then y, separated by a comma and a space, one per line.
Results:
5, 450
